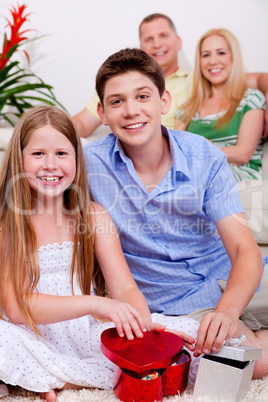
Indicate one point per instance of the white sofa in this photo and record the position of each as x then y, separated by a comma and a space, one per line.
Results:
254, 197
5, 135
253, 193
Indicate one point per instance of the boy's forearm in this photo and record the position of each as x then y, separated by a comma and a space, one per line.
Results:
242, 283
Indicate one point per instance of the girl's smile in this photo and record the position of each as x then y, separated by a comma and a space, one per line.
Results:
51, 180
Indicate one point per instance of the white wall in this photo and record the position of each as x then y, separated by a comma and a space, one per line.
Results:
81, 34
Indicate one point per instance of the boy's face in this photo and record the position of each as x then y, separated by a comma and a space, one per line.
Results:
132, 107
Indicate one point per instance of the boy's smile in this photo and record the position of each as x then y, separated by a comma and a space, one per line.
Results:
135, 126
132, 107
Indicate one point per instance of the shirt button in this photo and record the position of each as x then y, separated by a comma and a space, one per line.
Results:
166, 246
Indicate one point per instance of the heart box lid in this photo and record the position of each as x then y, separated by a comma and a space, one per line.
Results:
156, 350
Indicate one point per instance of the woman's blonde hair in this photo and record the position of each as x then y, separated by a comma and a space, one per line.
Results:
18, 250
235, 86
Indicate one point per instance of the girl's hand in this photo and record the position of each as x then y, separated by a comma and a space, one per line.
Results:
188, 340
153, 326
127, 320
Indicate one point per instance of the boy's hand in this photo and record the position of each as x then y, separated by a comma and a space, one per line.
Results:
188, 340
214, 329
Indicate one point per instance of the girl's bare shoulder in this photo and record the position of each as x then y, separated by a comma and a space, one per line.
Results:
99, 212
96, 208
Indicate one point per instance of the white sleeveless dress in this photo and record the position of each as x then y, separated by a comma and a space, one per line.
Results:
70, 350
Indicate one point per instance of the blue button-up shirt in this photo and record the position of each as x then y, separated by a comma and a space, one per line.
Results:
168, 236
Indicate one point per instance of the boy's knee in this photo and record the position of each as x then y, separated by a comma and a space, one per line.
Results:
258, 339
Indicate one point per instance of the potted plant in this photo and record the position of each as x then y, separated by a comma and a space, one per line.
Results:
20, 88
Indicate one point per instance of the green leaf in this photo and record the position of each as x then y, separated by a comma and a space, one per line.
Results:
7, 119
21, 88
12, 50
4, 72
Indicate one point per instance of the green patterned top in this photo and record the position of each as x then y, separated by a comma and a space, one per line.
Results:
227, 135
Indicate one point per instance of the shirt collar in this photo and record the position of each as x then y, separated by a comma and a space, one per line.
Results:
179, 160
178, 73
119, 155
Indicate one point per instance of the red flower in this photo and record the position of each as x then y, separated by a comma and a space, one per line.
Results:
11, 45
20, 88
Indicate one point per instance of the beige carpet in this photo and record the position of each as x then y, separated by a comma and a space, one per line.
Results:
258, 392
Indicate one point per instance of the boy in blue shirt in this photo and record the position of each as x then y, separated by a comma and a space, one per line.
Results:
175, 204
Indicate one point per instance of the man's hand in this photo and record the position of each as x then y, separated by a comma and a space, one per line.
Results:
215, 328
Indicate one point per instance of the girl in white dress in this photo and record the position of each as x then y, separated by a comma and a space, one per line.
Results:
52, 283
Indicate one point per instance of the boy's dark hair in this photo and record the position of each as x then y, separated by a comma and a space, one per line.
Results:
127, 60
156, 16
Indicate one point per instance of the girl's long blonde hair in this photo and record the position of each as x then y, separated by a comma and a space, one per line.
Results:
18, 247
235, 86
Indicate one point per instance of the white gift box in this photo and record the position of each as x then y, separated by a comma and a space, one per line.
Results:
226, 374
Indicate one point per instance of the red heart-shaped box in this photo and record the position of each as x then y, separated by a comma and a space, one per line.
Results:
156, 351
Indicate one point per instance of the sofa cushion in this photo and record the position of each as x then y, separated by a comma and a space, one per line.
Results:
254, 198
265, 161
5, 135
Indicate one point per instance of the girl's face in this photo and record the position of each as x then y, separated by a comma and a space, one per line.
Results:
49, 162
216, 59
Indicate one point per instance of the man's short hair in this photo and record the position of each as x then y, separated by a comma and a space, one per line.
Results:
156, 16
127, 60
